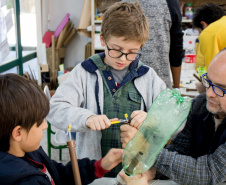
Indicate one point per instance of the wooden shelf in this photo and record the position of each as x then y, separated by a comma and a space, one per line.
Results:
97, 21
186, 20
94, 24
99, 48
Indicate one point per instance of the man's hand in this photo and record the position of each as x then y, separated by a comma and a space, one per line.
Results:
200, 88
112, 159
151, 173
131, 181
138, 118
127, 133
98, 122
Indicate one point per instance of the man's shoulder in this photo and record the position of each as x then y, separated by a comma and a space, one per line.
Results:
201, 97
199, 104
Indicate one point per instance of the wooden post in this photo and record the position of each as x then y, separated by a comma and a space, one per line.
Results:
74, 162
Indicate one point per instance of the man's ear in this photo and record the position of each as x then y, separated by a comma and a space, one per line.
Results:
102, 41
16, 133
204, 24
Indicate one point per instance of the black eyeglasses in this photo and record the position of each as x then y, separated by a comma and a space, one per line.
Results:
114, 53
216, 89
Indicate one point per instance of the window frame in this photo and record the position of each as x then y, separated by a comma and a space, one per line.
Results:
18, 62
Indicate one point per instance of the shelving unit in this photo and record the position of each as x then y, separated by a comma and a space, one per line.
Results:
96, 47
186, 23
97, 21
94, 23
186, 20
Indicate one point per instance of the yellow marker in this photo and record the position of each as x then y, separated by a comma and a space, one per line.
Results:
115, 122
69, 127
121, 120
126, 116
69, 131
118, 121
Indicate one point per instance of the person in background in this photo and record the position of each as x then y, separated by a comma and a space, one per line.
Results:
210, 20
164, 48
198, 154
108, 85
23, 108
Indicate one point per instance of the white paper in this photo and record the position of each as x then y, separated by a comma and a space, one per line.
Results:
97, 28
97, 43
3, 30
4, 50
9, 21
4, 2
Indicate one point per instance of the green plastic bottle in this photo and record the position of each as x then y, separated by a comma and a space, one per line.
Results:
166, 115
201, 70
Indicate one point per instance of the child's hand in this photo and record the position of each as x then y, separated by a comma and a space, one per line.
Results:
98, 122
112, 159
131, 181
127, 133
138, 118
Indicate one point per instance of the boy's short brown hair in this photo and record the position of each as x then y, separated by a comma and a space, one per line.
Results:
126, 20
21, 103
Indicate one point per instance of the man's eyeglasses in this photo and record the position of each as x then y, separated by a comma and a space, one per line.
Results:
114, 53
216, 89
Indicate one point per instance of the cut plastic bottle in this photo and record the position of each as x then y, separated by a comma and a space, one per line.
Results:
166, 115
201, 70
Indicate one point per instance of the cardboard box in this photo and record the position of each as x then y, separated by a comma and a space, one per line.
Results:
59, 56
85, 19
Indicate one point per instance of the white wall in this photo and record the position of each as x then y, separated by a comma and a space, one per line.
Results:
55, 10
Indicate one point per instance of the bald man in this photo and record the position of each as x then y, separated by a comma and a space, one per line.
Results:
198, 153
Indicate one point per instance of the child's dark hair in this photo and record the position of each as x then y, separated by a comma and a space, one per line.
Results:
21, 103
208, 13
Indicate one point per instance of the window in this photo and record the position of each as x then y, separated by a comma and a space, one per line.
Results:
18, 37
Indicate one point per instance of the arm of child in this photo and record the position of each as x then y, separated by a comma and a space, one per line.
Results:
89, 169
107, 163
138, 118
99, 122
127, 133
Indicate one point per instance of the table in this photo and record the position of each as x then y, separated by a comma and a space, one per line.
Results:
112, 181
188, 81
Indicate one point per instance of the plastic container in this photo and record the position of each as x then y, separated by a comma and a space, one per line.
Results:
166, 115
190, 56
188, 11
201, 70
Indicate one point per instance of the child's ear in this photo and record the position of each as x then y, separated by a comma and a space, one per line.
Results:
16, 133
204, 24
102, 41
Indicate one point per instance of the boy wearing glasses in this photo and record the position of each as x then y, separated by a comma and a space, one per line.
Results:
108, 85
198, 153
